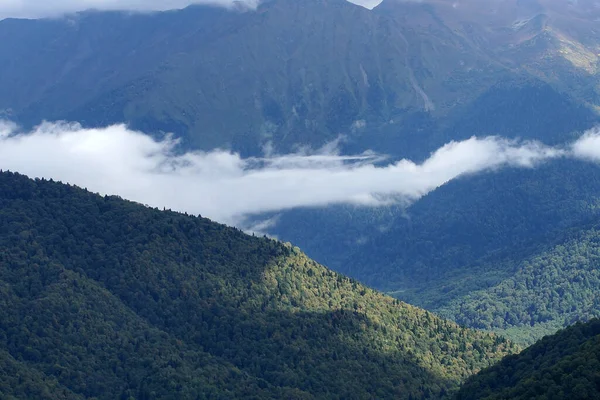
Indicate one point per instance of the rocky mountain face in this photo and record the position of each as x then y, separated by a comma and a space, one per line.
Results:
398, 78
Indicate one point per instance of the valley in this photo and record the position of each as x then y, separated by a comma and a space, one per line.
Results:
413, 189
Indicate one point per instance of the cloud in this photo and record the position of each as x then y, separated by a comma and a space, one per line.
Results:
227, 188
46, 8
53, 8
588, 146
370, 4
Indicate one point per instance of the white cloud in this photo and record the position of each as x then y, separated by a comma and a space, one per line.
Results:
588, 146
6, 128
53, 8
225, 187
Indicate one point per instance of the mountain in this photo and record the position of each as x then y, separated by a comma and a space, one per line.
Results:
109, 299
564, 365
403, 78
457, 249
478, 218
473, 217
486, 250
550, 289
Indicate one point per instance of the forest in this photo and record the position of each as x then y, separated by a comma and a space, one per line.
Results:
105, 298
520, 257
552, 289
450, 289
562, 366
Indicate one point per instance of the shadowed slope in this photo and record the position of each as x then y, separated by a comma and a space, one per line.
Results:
144, 301
564, 365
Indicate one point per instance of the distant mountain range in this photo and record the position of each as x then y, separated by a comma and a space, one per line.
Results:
402, 78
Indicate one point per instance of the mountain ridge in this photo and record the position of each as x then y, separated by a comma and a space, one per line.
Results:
295, 73
147, 303
563, 365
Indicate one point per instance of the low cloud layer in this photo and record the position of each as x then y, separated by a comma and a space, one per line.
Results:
226, 188
46, 8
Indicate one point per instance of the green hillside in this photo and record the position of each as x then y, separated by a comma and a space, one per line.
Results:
513, 250
109, 299
441, 238
550, 290
563, 366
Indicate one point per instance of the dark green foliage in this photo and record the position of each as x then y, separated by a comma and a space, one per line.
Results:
19, 381
467, 235
106, 298
475, 223
513, 251
563, 366
550, 290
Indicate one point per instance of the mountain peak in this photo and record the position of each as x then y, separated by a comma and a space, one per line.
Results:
369, 4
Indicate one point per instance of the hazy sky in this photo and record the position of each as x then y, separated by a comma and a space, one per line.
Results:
44, 8
225, 187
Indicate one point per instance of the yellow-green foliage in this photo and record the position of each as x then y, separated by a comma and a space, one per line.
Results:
439, 345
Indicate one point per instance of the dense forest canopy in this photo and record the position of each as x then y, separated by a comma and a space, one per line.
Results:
551, 289
514, 250
563, 366
110, 299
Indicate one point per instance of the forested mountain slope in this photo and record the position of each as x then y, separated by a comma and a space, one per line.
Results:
105, 298
476, 220
402, 80
563, 366
445, 236
551, 289
513, 251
